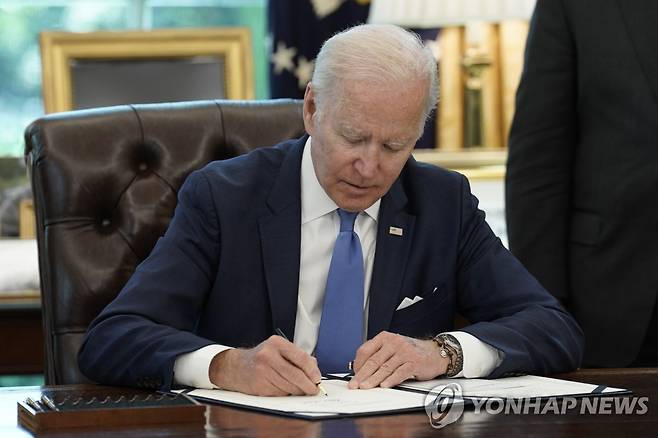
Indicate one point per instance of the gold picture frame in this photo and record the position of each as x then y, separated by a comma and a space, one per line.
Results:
59, 50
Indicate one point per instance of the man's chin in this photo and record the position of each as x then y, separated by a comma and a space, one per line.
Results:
355, 204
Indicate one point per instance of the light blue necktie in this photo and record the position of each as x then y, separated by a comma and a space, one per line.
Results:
341, 326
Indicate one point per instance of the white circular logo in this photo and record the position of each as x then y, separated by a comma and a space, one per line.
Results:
444, 405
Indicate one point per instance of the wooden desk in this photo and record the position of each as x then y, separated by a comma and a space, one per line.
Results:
229, 422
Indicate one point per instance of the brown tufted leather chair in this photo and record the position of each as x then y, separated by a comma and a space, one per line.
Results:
105, 183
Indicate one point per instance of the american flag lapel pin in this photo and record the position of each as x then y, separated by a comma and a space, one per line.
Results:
395, 231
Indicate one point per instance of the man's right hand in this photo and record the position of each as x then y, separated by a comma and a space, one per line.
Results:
275, 367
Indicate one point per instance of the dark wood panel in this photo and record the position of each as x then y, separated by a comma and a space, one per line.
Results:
21, 337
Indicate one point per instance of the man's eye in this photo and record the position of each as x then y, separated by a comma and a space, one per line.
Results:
352, 140
393, 147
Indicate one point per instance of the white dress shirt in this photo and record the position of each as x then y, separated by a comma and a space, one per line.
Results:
320, 225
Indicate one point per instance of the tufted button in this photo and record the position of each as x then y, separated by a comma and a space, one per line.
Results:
105, 223
142, 167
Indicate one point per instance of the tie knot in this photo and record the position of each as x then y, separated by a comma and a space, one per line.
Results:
346, 220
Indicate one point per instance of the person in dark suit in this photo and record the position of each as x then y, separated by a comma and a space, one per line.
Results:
340, 242
581, 175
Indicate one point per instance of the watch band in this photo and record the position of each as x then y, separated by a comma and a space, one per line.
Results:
450, 348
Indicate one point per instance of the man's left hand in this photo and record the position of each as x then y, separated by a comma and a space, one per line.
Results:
389, 359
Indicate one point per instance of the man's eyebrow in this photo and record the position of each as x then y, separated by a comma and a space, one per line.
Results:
401, 141
349, 129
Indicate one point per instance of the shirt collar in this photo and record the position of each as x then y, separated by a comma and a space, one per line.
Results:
315, 201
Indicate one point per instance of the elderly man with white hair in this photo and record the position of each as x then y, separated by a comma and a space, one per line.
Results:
333, 251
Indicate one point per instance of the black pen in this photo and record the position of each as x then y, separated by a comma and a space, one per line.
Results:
318, 384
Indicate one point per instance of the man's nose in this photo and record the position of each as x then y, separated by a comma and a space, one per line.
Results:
367, 164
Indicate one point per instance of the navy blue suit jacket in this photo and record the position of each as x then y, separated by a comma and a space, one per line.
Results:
227, 270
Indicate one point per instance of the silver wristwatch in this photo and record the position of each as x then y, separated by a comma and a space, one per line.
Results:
450, 348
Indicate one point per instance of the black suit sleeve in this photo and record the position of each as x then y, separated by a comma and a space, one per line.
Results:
138, 336
507, 307
542, 145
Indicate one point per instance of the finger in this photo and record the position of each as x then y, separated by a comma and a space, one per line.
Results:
263, 386
302, 360
383, 372
402, 373
372, 365
297, 377
366, 350
280, 382
296, 366
363, 354
269, 360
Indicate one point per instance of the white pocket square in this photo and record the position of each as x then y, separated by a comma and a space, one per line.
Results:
408, 302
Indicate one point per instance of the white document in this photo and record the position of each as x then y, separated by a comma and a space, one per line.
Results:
513, 387
340, 400
344, 401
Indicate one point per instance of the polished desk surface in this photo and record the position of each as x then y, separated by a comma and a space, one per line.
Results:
230, 422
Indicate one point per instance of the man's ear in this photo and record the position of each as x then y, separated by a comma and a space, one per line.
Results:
310, 109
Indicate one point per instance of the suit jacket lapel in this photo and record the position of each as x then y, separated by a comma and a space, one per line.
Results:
280, 241
641, 18
391, 257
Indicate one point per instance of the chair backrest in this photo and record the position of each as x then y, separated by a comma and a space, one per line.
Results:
105, 183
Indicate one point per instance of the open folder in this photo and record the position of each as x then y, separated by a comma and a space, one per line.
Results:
409, 396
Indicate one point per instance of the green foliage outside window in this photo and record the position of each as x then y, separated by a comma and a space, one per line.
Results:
21, 21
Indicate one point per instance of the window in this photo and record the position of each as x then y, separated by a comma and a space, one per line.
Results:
21, 21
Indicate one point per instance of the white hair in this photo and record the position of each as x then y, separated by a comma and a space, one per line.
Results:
377, 54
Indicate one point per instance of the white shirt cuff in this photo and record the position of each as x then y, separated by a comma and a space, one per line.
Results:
480, 359
192, 369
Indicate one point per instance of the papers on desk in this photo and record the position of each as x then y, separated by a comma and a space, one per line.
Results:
516, 387
339, 401
409, 396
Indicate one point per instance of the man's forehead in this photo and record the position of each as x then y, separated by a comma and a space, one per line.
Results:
356, 112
